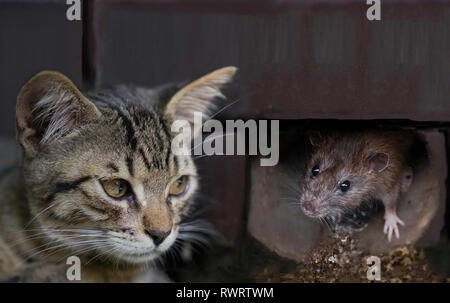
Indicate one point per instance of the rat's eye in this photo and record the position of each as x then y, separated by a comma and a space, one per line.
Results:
344, 186
116, 188
315, 170
180, 186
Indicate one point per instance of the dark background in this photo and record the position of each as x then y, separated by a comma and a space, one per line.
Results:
297, 59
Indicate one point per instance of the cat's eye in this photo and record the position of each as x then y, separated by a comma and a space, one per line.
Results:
344, 186
315, 170
116, 188
180, 186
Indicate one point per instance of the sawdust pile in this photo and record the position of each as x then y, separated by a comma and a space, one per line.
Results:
340, 260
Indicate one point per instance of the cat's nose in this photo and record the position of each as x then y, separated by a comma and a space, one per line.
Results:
158, 236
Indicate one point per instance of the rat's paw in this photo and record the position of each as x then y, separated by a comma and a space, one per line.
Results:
390, 225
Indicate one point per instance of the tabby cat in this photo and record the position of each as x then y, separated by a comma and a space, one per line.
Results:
99, 179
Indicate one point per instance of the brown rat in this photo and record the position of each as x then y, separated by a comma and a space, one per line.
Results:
349, 167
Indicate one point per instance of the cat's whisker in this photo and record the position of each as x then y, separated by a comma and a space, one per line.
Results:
85, 250
222, 109
63, 245
210, 118
110, 255
197, 232
74, 231
159, 261
46, 232
57, 229
175, 250
51, 241
44, 210
100, 254
197, 226
77, 230
117, 260
213, 138
45, 235
202, 156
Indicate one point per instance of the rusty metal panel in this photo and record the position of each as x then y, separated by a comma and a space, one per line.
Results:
296, 62
33, 37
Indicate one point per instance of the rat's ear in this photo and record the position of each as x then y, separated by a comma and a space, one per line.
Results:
197, 96
376, 162
49, 106
317, 138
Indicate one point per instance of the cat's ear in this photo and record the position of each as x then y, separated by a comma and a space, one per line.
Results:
198, 96
49, 106
376, 162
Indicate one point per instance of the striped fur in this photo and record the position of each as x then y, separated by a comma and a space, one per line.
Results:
71, 142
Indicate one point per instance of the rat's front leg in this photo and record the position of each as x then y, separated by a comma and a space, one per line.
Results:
390, 224
391, 220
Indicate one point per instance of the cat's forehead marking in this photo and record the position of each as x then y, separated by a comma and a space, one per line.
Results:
144, 128
144, 158
112, 167
130, 166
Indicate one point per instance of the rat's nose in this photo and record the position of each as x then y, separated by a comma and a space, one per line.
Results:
158, 236
309, 208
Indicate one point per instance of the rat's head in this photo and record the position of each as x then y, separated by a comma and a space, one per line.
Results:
339, 174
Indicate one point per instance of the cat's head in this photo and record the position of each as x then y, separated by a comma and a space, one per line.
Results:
101, 177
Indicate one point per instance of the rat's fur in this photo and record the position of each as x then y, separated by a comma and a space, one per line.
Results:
349, 155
